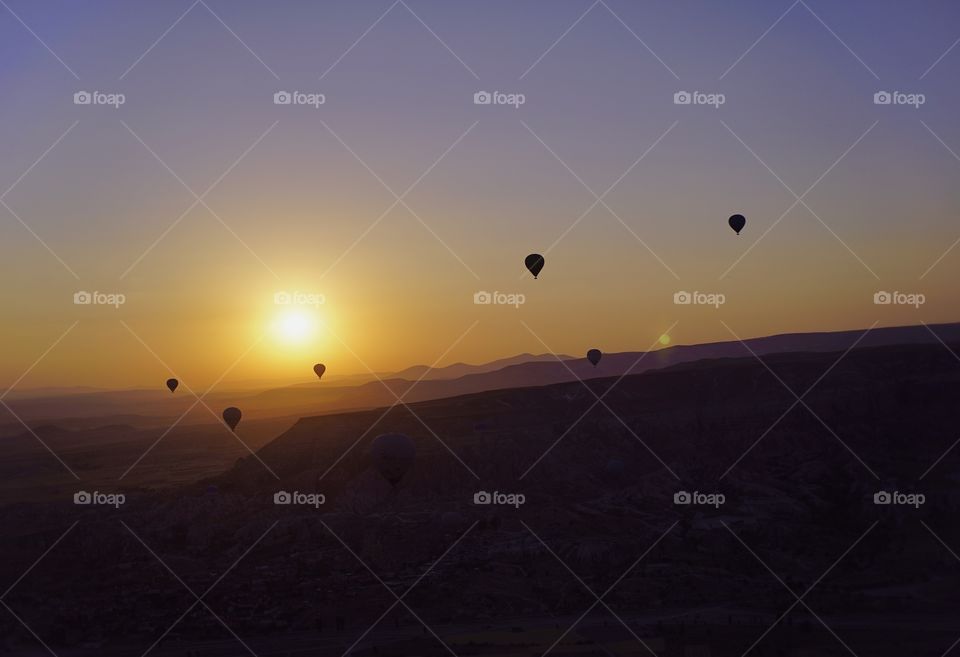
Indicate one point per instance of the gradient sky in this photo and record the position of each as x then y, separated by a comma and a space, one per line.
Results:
401, 97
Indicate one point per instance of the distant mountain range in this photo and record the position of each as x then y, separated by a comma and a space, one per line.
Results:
458, 370
420, 383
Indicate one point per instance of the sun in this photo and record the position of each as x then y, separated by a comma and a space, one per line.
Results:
295, 326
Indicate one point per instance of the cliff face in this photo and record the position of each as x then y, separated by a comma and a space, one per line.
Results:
884, 411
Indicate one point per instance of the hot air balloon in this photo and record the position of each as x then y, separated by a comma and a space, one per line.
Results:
392, 454
319, 369
232, 417
737, 222
172, 384
594, 356
534, 263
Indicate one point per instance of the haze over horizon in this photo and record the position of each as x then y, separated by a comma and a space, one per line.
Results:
305, 199
934, 333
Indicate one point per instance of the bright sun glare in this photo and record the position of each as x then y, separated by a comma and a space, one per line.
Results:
295, 326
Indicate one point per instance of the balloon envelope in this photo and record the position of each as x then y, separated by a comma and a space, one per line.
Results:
319, 369
232, 417
393, 454
534, 263
172, 384
594, 356
737, 222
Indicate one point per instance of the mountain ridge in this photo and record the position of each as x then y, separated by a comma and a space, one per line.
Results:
521, 370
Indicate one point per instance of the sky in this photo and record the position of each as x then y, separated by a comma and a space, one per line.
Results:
398, 199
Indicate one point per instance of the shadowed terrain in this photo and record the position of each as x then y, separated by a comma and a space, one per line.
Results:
799, 502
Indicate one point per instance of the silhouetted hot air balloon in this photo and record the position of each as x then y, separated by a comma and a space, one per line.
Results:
737, 222
534, 263
393, 454
232, 417
319, 369
172, 384
594, 356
